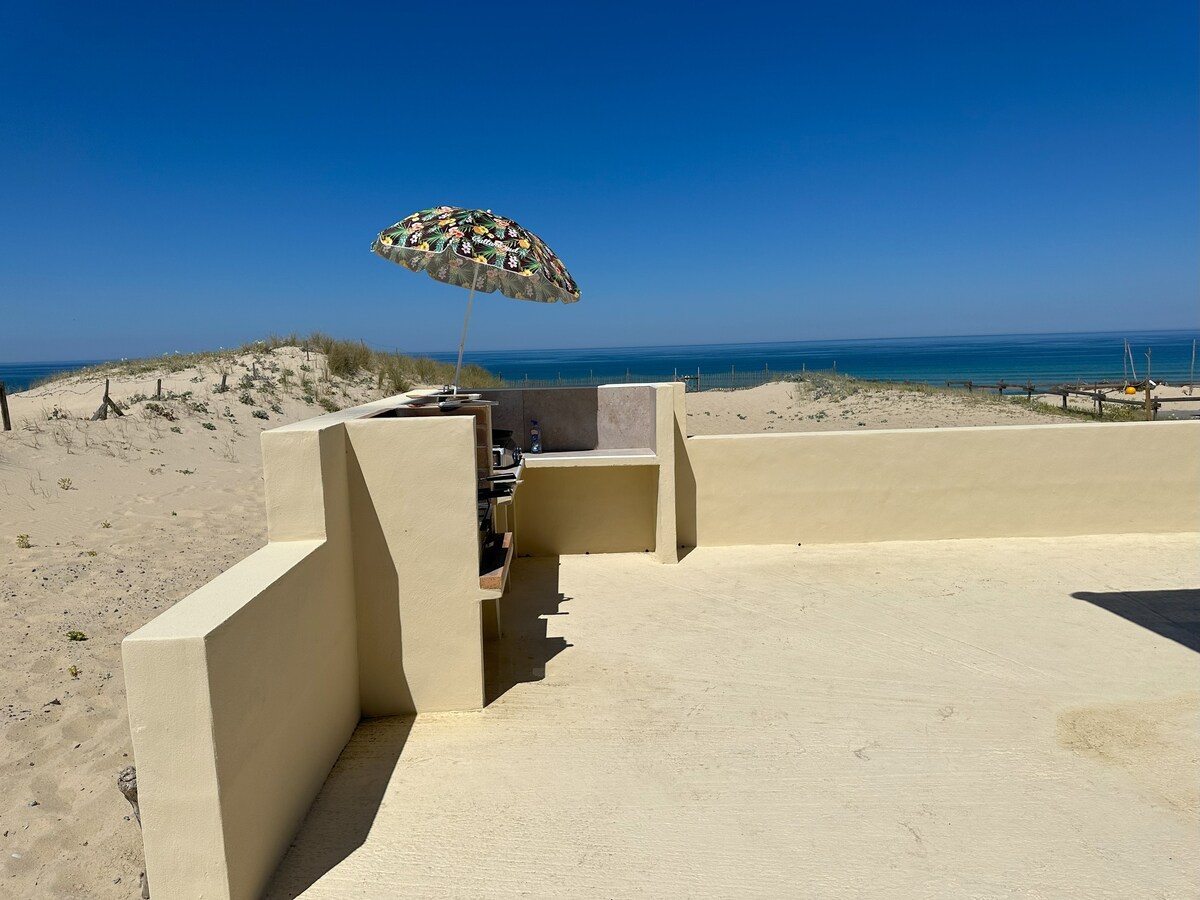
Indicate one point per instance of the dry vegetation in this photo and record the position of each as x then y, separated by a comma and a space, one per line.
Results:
391, 372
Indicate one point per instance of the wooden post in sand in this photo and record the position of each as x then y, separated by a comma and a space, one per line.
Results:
158, 390
105, 405
4, 408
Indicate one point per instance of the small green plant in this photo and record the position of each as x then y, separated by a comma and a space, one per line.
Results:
157, 409
329, 405
174, 513
73, 671
89, 552
177, 429
208, 426
260, 414
246, 398
56, 413
199, 406
76, 636
276, 408
23, 541
185, 472
106, 524
65, 483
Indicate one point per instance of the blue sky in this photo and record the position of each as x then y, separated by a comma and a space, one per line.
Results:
182, 177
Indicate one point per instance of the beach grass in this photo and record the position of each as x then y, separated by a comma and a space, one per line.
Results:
395, 372
820, 384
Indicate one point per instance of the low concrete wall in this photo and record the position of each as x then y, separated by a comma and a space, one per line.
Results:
416, 564
242, 695
259, 665
1014, 481
617, 508
587, 510
366, 599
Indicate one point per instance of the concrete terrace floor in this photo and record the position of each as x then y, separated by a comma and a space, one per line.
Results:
967, 719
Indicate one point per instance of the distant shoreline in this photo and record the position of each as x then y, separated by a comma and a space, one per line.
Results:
1058, 357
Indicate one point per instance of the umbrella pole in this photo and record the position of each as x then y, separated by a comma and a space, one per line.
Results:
466, 321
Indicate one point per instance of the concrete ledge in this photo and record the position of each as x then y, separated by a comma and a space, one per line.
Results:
571, 460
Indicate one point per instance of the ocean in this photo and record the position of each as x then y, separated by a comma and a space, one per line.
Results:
1040, 358
19, 376
1016, 358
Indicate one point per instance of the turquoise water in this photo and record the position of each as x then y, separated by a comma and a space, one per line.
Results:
19, 376
1041, 358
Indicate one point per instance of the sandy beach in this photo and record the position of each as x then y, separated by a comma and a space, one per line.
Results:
104, 524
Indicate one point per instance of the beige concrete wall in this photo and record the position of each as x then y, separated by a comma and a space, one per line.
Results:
1040, 480
617, 508
242, 695
604, 509
367, 598
240, 701
416, 564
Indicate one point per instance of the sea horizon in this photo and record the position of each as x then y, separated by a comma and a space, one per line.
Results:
1035, 356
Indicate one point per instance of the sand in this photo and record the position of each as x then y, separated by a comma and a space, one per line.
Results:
824, 404
127, 516
124, 518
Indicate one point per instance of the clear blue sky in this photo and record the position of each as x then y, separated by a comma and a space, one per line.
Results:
180, 176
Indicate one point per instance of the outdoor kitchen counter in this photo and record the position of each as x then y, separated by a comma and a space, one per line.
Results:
641, 456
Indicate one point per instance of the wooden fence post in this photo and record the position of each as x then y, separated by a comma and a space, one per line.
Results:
4, 408
106, 403
158, 390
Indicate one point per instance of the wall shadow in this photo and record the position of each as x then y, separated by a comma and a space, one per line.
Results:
685, 495
382, 684
341, 817
1174, 614
521, 654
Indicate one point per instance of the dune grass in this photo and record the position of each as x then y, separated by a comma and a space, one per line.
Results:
393, 372
817, 385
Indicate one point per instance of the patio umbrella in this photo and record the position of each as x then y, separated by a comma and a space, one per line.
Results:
479, 250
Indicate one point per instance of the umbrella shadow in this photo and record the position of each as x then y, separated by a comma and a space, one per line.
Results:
1174, 614
521, 655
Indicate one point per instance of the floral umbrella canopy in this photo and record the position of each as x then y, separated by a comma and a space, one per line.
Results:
479, 250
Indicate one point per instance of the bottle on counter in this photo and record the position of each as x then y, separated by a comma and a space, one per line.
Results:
535, 438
